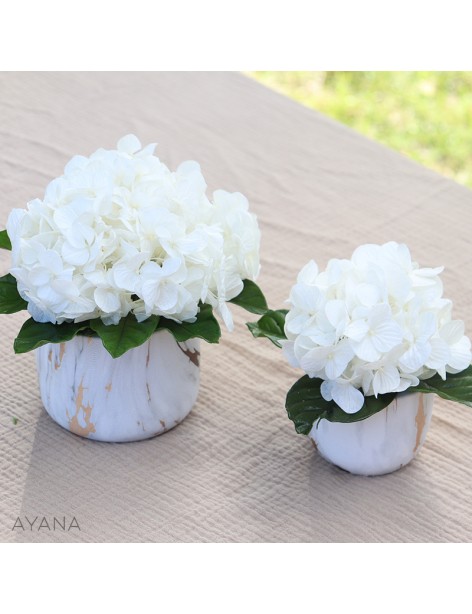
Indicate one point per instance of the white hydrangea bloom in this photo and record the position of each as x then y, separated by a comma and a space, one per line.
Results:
374, 324
119, 232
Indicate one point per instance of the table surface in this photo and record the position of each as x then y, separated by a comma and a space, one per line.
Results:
234, 470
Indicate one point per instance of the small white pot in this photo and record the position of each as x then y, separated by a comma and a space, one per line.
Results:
143, 393
383, 443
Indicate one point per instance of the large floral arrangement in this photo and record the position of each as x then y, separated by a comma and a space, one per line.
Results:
121, 246
366, 329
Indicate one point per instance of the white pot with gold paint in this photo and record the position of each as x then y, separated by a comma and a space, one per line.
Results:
383, 443
143, 393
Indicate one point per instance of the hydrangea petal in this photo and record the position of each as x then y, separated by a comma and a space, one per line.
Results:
289, 353
314, 361
415, 357
439, 357
326, 390
106, 300
386, 336
357, 330
385, 380
366, 350
367, 294
337, 314
460, 357
305, 298
129, 144
452, 332
348, 398
167, 297
308, 273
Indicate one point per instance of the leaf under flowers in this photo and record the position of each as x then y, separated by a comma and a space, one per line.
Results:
205, 327
371, 406
34, 334
5, 242
117, 339
456, 387
305, 405
127, 334
251, 298
10, 300
271, 326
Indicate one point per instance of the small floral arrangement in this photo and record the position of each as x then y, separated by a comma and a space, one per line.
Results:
121, 246
364, 330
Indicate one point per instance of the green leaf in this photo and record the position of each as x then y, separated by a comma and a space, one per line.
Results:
34, 334
251, 298
271, 326
205, 327
127, 334
456, 387
305, 405
10, 300
5, 242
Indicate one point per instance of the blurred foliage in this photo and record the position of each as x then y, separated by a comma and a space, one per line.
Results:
425, 115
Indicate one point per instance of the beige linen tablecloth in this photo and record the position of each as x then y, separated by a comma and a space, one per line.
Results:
234, 470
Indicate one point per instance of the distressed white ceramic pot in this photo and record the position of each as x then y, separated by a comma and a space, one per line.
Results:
383, 443
143, 393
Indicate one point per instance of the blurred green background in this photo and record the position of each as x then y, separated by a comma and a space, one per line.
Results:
425, 115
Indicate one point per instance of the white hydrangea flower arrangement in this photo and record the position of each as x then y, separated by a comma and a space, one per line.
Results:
121, 246
364, 330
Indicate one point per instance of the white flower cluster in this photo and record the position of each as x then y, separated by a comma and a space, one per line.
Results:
374, 324
119, 232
